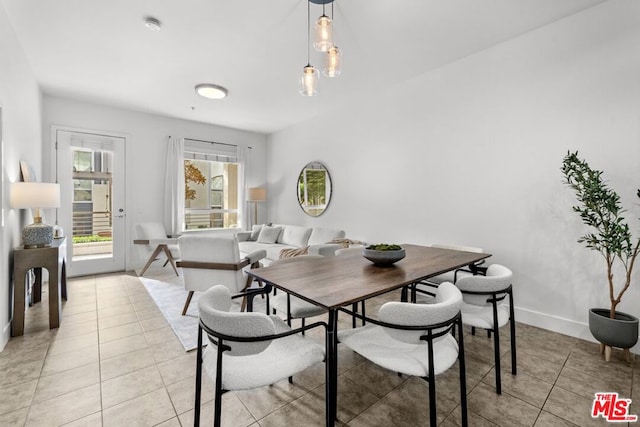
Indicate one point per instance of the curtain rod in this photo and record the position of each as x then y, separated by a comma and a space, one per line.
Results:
213, 142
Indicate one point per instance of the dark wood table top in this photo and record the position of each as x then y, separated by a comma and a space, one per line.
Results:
337, 281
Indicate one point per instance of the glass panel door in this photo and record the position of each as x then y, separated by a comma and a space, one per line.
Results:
90, 169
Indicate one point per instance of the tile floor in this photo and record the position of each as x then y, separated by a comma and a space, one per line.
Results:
115, 361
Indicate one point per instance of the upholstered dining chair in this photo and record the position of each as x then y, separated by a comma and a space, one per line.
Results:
215, 260
153, 240
423, 291
247, 350
416, 339
294, 307
485, 306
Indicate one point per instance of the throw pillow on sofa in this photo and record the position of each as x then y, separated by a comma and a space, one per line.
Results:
255, 232
269, 234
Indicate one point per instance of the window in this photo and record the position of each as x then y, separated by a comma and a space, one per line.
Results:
211, 187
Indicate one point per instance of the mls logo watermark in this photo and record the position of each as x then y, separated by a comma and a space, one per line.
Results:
612, 408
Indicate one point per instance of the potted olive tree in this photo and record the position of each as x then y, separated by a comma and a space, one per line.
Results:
599, 207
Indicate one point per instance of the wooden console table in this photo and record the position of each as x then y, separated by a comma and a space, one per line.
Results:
53, 259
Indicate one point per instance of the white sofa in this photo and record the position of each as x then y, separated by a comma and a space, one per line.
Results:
289, 237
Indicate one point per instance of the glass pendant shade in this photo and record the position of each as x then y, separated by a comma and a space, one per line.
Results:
309, 81
332, 68
323, 34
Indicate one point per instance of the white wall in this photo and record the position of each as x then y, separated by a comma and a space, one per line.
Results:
20, 101
146, 151
470, 154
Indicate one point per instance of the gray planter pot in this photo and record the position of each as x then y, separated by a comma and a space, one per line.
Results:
621, 332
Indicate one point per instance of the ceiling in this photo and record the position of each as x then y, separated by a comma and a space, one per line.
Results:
101, 51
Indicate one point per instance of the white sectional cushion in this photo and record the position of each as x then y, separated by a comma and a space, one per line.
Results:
324, 235
248, 247
294, 235
268, 234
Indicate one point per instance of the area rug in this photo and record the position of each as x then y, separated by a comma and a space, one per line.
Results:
169, 295
170, 298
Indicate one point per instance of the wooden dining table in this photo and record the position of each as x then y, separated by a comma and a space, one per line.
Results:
339, 281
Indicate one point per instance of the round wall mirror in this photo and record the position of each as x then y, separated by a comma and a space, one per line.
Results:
314, 189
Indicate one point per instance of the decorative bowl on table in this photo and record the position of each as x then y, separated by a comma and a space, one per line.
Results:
383, 254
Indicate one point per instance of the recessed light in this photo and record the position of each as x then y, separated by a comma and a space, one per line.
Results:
152, 23
211, 91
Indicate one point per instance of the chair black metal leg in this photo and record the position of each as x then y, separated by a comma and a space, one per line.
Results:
463, 376
496, 347
404, 294
473, 330
218, 390
196, 410
302, 320
364, 322
288, 309
432, 385
512, 326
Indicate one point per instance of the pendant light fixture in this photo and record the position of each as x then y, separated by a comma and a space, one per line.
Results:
323, 42
309, 79
323, 33
332, 67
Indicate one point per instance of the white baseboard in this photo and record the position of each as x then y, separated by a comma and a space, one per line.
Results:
560, 325
6, 334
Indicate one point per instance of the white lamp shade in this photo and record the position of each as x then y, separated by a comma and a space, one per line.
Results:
34, 195
257, 194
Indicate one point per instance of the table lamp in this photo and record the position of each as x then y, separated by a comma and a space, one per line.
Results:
257, 194
35, 195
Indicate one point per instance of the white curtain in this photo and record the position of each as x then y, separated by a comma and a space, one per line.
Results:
174, 187
243, 218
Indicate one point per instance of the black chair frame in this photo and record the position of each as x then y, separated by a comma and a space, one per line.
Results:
302, 319
221, 341
494, 298
474, 269
431, 334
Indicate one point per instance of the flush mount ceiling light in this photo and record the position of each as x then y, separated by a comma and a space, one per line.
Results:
323, 42
211, 91
152, 23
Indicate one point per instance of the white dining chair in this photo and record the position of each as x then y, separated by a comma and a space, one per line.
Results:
294, 307
247, 350
416, 339
488, 304
423, 291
